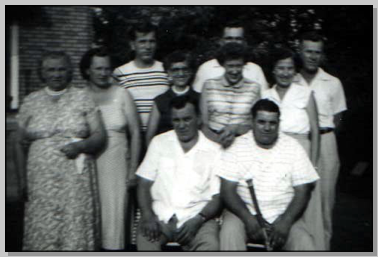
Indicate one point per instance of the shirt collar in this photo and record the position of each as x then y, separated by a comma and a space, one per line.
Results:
227, 84
320, 75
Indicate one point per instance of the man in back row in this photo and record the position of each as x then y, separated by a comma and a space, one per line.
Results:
144, 76
233, 31
330, 100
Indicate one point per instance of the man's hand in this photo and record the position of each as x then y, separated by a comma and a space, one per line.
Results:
189, 229
280, 232
71, 150
254, 231
150, 227
227, 136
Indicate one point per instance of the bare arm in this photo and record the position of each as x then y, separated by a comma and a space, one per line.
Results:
236, 205
312, 112
133, 124
190, 228
91, 145
296, 208
337, 119
20, 155
205, 118
153, 123
149, 222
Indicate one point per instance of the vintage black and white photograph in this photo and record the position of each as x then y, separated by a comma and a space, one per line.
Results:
197, 128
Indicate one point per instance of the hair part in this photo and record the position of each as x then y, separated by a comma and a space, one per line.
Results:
144, 27
282, 53
55, 55
311, 36
265, 105
87, 58
231, 51
179, 102
178, 56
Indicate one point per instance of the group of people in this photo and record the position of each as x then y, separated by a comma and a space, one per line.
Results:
218, 157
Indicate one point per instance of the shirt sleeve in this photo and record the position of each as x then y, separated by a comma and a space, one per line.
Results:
25, 112
303, 172
149, 167
338, 98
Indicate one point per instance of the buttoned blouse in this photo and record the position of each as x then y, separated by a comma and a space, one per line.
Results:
294, 117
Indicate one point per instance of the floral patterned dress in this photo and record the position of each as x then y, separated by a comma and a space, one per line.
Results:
62, 211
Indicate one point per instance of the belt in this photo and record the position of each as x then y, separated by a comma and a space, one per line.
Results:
325, 130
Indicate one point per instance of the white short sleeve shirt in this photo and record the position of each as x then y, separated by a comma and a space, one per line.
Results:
329, 96
275, 172
183, 182
294, 117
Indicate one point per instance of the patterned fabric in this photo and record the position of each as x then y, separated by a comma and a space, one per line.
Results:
274, 172
144, 85
212, 69
183, 182
329, 96
162, 102
228, 104
112, 174
62, 213
294, 117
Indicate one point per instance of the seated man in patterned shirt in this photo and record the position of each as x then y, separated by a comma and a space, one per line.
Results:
283, 179
178, 190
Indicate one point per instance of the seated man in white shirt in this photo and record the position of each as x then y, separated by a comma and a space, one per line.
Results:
178, 190
233, 31
283, 178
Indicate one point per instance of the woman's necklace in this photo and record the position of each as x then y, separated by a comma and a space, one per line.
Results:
55, 95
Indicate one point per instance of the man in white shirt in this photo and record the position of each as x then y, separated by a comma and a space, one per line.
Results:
178, 190
232, 32
330, 100
283, 179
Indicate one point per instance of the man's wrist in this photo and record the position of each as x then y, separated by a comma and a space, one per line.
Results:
203, 217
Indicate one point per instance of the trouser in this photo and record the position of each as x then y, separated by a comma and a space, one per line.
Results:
328, 169
233, 235
313, 215
206, 238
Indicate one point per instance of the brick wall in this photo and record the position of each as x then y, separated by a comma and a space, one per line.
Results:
66, 28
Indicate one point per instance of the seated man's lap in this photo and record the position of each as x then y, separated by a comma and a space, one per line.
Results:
233, 236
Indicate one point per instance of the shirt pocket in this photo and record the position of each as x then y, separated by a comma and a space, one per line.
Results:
281, 177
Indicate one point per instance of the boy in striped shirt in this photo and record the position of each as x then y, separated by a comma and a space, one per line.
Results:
144, 76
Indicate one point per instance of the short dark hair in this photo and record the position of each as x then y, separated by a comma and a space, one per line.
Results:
55, 55
311, 36
86, 60
265, 105
179, 56
180, 102
231, 51
281, 53
233, 24
142, 27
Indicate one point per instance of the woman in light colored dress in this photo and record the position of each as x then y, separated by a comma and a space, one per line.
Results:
63, 130
299, 119
118, 162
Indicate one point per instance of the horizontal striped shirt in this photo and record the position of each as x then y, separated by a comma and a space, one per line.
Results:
144, 84
275, 172
230, 104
